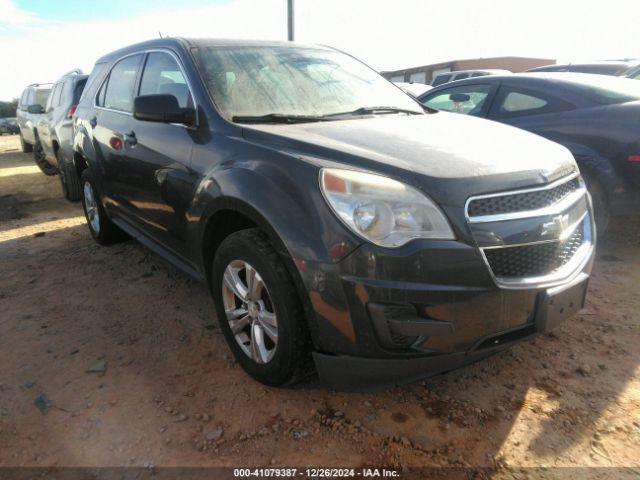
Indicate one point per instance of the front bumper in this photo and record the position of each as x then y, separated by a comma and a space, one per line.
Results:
385, 316
346, 372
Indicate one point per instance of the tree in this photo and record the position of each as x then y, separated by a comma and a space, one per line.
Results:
8, 109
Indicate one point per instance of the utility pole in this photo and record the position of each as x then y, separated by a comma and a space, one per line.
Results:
290, 20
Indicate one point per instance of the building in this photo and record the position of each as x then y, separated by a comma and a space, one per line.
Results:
427, 73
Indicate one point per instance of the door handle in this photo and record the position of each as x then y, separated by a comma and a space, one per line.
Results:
131, 138
93, 122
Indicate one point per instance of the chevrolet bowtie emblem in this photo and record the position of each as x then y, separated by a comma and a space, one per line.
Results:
556, 226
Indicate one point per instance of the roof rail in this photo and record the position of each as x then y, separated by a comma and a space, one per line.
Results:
75, 71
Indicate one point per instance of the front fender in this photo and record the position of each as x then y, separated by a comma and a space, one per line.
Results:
284, 200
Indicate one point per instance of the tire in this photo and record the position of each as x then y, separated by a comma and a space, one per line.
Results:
24, 146
601, 210
41, 161
102, 229
68, 178
280, 363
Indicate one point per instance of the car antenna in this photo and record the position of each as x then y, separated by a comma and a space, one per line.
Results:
160, 34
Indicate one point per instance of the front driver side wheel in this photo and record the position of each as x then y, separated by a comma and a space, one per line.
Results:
258, 309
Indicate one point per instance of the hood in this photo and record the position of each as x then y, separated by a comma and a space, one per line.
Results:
450, 156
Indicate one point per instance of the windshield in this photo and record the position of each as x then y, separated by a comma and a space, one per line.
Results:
264, 80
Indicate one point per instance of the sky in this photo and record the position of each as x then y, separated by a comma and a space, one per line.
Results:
42, 39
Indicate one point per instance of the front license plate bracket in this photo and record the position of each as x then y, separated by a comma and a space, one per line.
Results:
559, 303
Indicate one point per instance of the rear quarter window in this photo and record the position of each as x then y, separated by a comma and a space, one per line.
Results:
517, 102
91, 84
78, 89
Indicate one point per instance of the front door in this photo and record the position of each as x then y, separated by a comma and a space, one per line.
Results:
159, 181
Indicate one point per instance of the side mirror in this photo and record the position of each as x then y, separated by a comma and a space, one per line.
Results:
35, 108
161, 108
459, 97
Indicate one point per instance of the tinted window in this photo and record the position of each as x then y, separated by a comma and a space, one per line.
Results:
77, 90
162, 75
56, 94
461, 76
597, 69
118, 93
49, 104
517, 102
467, 99
23, 98
94, 78
41, 95
440, 79
513, 102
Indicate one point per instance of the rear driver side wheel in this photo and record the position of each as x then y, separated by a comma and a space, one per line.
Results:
102, 229
68, 178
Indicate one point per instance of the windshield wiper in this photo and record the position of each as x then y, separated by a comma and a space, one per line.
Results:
276, 118
292, 118
381, 109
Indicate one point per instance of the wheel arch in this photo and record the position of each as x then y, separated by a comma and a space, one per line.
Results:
228, 215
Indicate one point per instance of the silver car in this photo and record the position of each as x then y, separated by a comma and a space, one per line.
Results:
30, 107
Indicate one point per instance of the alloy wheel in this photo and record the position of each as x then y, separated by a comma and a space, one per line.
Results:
91, 207
249, 311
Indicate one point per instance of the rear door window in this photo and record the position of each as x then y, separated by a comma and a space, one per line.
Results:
469, 99
41, 95
117, 91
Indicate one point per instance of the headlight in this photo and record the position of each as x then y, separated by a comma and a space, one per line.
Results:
383, 211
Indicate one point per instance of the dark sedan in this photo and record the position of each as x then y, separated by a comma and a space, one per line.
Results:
596, 117
618, 68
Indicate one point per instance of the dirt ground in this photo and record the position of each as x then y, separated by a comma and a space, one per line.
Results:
165, 390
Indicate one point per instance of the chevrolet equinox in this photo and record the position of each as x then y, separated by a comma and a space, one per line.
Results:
337, 222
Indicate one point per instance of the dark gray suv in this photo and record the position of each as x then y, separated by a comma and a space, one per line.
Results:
30, 107
54, 131
332, 216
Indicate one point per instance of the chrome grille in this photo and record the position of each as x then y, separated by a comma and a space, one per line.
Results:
520, 202
536, 259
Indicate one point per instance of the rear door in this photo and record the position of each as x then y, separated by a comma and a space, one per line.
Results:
158, 177
111, 125
45, 121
